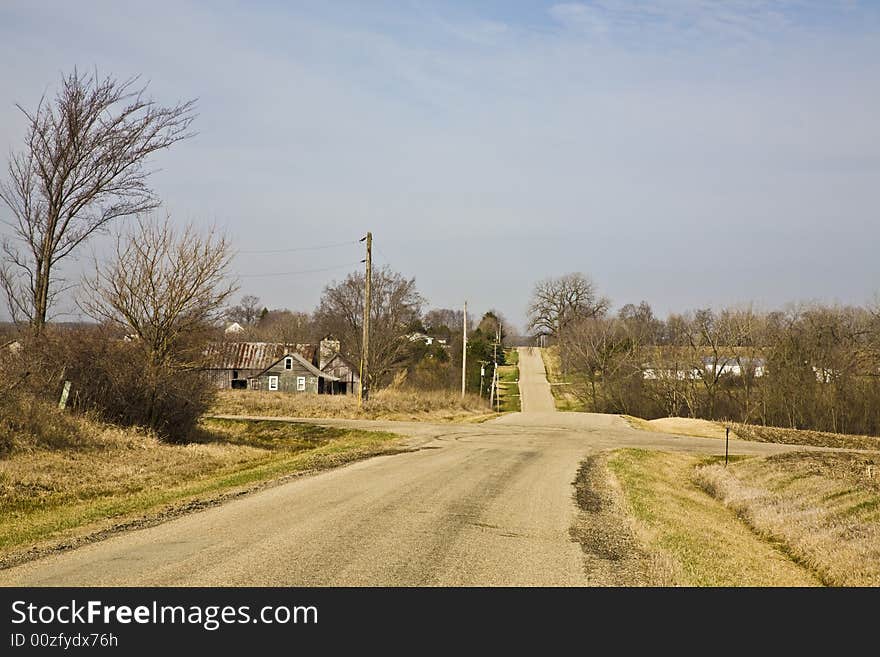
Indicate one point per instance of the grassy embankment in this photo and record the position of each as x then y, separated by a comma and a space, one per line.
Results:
96, 478
711, 429
799, 518
426, 406
560, 385
508, 383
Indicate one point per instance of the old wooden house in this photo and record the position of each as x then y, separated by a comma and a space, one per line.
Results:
348, 378
293, 373
281, 367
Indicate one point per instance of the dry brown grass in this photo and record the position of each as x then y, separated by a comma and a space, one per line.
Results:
684, 426
823, 508
681, 426
110, 475
805, 437
389, 404
705, 541
613, 554
560, 386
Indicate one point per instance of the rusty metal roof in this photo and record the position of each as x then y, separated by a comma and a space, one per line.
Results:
252, 355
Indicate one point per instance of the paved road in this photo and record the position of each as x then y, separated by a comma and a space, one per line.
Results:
533, 388
486, 504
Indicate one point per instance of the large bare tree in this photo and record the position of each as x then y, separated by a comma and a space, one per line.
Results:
82, 166
163, 284
557, 302
396, 307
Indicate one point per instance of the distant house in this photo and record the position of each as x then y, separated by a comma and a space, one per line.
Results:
234, 329
657, 373
293, 373
427, 339
231, 364
275, 366
348, 379
735, 366
723, 366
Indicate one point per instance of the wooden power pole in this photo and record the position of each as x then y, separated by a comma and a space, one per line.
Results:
363, 391
464, 351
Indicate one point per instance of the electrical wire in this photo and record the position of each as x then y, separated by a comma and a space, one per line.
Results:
301, 248
296, 273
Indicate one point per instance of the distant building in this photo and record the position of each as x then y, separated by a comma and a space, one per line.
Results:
281, 367
293, 373
722, 366
348, 376
427, 339
656, 373
735, 366
234, 329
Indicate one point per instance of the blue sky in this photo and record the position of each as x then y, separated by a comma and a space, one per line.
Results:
687, 152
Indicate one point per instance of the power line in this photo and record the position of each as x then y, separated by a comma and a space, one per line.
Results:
301, 271
301, 248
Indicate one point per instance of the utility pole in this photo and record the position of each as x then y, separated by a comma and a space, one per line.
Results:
495, 371
363, 392
464, 350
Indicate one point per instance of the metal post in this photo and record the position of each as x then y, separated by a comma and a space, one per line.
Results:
726, 445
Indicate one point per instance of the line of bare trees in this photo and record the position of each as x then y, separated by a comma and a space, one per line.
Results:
810, 366
83, 169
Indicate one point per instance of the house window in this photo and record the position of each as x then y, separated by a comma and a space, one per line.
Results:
273, 383
234, 374
288, 363
300, 383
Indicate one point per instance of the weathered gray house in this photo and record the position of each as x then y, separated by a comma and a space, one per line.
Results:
283, 367
231, 364
293, 373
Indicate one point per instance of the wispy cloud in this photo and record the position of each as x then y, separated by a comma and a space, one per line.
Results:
624, 138
686, 20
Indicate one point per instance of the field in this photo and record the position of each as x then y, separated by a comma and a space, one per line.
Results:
704, 542
508, 378
683, 426
389, 404
793, 519
821, 508
112, 478
559, 384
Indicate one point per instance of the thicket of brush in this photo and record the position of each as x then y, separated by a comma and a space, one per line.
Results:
811, 367
110, 379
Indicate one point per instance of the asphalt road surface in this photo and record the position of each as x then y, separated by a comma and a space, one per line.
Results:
474, 504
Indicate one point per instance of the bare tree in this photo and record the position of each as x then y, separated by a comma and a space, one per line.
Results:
445, 318
81, 168
557, 302
396, 306
162, 285
287, 326
604, 356
247, 312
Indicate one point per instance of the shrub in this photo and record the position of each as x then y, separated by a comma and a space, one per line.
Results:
111, 378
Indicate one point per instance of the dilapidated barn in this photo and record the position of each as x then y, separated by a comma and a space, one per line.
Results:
348, 379
231, 364
283, 367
